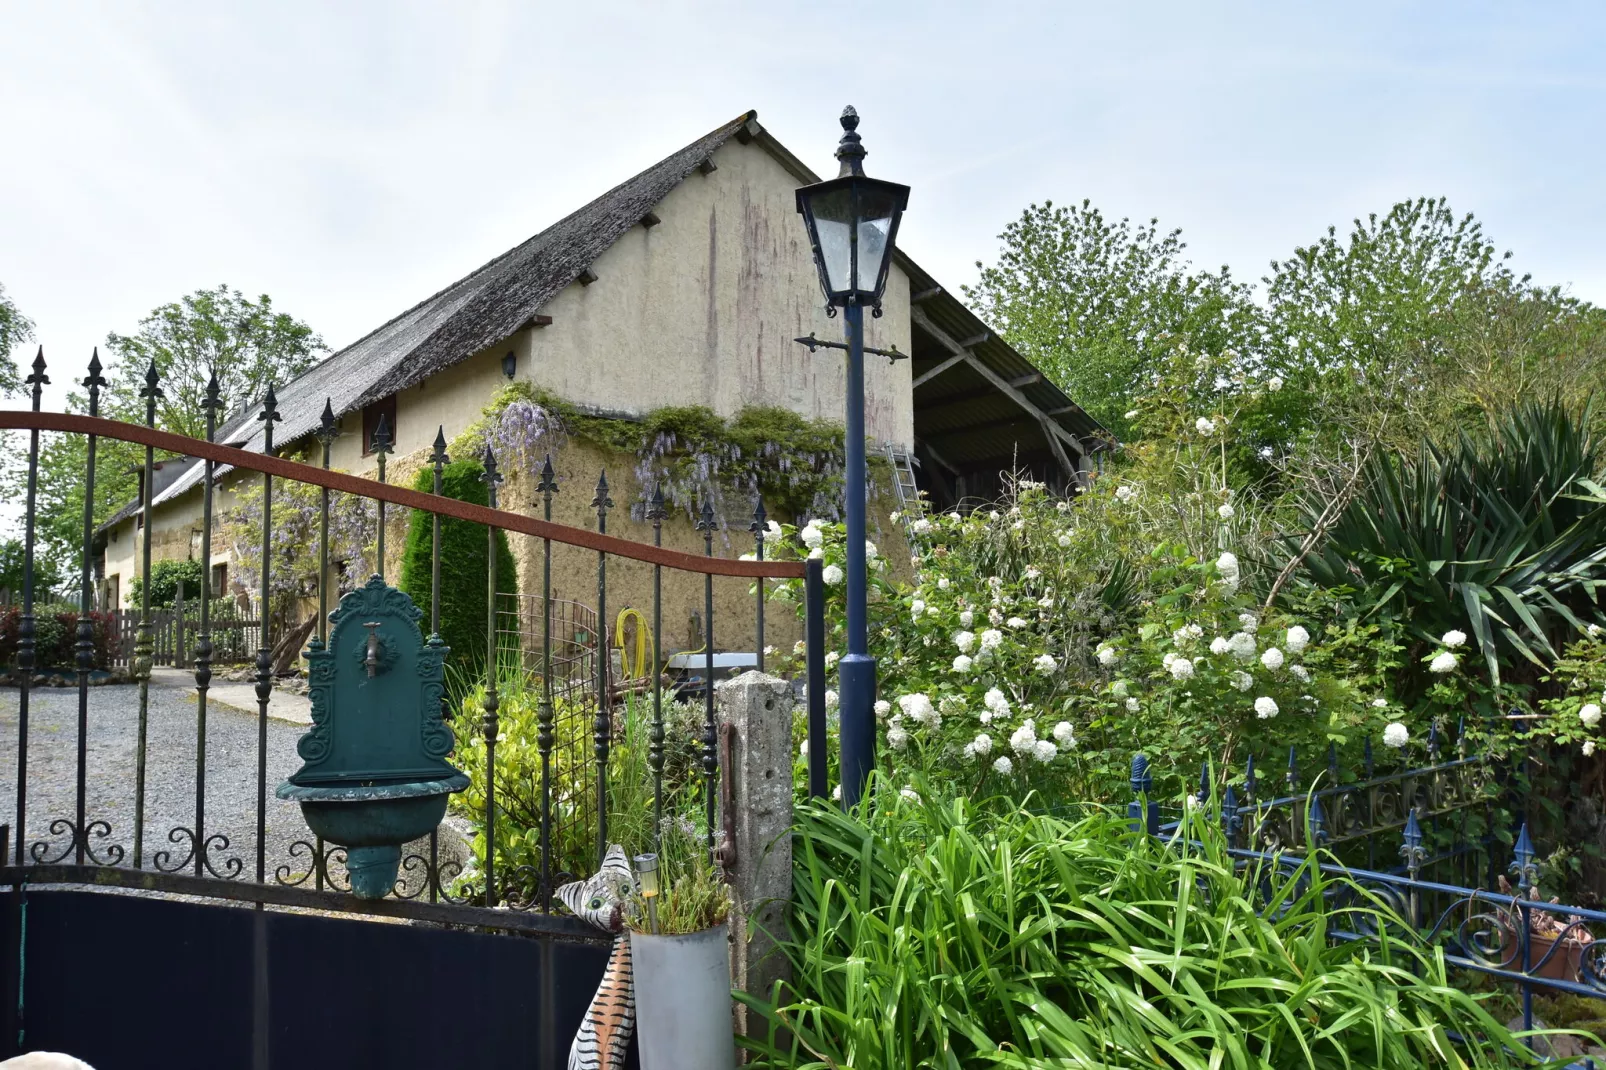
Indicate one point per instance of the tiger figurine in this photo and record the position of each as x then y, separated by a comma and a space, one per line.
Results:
611, 1019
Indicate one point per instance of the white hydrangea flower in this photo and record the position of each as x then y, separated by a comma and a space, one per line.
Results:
1589, 713
1132, 705
1204, 426
1170, 656
921, 526
1272, 658
1275, 383
1125, 492
882, 707
1045, 664
1225, 511
1443, 662
917, 607
1300, 673
1248, 621
1227, 565
991, 639
817, 554
831, 700
964, 641
1593, 631
750, 556
870, 552
1065, 542
1396, 735
992, 514
800, 648
803, 749
1064, 734
1106, 655
897, 738
1589, 747
1453, 638
1045, 750
967, 618
811, 535
896, 516
1002, 765
1132, 414
942, 583
918, 707
1242, 645
772, 530
909, 794
933, 611
1241, 681
1046, 602
996, 701
832, 574
831, 658
1219, 645
1118, 689
836, 793
1182, 669
1265, 707
1298, 638
1024, 741
1032, 572
979, 747
1380, 703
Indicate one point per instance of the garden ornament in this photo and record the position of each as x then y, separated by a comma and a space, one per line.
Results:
611, 1019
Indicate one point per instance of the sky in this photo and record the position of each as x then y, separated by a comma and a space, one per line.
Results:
350, 159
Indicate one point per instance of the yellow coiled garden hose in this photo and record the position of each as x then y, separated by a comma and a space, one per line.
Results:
635, 669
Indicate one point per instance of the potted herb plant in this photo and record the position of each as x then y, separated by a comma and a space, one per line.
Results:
679, 944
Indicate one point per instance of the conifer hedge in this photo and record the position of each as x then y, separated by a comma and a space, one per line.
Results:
463, 562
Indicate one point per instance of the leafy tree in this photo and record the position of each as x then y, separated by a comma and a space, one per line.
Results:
45, 577
15, 329
464, 558
245, 342
1095, 303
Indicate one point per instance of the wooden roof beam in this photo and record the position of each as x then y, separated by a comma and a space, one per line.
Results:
925, 295
926, 377
918, 316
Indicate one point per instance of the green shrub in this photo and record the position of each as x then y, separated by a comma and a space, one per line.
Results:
165, 578
55, 632
955, 934
464, 555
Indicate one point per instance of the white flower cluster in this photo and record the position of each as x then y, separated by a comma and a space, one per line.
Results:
1396, 735
882, 708
996, 705
1106, 655
1025, 743
1297, 639
1227, 565
1242, 645
1589, 714
918, 708
964, 641
812, 535
1125, 492
979, 747
832, 574
1045, 664
920, 526
1265, 707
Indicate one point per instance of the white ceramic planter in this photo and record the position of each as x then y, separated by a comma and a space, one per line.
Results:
683, 1000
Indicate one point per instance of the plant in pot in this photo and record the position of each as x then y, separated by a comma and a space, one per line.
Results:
680, 947
1545, 931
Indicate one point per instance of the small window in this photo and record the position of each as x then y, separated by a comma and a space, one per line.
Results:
220, 580
370, 421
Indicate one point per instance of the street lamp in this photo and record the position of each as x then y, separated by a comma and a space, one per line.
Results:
853, 224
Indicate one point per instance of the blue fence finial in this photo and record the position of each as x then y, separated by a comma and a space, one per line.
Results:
1142, 813
1204, 783
1229, 815
1370, 768
1249, 780
1332, 761
1412, 851
1293, 770
1433, 742
1523, 866
1318, 821
1461, 737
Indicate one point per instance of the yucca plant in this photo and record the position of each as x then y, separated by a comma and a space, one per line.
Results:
957, 935
1503, 534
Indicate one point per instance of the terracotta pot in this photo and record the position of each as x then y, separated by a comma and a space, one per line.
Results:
1564, 965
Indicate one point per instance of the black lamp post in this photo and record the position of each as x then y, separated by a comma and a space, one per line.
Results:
853, 223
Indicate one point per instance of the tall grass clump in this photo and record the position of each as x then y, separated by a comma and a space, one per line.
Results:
962, 934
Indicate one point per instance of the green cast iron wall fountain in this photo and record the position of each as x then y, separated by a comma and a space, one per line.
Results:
375, 775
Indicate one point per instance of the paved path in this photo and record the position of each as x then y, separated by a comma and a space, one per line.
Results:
242, 696
231, 757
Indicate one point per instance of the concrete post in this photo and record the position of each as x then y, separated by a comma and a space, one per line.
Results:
758, 709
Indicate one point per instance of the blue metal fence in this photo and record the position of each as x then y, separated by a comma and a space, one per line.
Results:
1506, 933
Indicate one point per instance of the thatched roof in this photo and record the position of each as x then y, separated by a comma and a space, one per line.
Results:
473, 313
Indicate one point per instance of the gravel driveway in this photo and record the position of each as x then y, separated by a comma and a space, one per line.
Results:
231, 757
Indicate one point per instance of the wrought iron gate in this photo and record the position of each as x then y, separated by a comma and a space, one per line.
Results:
114, 924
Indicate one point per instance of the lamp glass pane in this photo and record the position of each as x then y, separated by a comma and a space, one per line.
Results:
876, 208
833, 226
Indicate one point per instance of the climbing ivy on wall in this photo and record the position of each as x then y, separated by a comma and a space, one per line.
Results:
793, 462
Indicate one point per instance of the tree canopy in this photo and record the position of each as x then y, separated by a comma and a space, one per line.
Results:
15, 329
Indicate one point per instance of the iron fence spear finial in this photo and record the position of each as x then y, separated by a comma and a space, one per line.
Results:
1523, 866
38, 380
327, 431
437, 456
94, 382
1412, 850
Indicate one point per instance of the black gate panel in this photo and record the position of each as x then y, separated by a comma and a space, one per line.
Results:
134, 982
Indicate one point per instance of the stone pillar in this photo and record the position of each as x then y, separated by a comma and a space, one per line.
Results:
759, 777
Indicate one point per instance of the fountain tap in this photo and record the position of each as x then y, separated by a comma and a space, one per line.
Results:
371, 658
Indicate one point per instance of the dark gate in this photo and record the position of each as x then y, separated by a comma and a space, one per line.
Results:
170, 934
